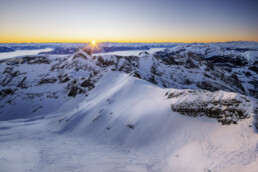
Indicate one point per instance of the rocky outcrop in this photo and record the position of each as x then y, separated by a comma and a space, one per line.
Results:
88, 83
227, 108
6, 92
65, 79
256, 118
80, 55
22, 83
39, 60
229, 59
73, 91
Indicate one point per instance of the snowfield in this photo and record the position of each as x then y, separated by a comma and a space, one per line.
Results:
95, 135
112, 113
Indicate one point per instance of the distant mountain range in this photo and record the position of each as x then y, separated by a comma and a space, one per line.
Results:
70, 48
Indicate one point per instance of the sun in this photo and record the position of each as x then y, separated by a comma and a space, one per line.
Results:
92, 47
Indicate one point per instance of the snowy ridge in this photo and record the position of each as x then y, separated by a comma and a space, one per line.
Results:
136, 115
232, 50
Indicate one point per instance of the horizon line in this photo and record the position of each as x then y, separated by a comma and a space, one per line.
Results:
74, 42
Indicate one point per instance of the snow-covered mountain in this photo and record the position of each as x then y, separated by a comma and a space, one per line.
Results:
151, 112
6, 49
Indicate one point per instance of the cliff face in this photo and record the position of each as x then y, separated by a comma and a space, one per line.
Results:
226, 107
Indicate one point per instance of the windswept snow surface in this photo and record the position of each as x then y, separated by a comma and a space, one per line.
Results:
126, 124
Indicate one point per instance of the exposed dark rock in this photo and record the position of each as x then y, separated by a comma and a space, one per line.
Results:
236, 82
174, 94
144, 52
207, 86
47, 81
152, 80
8, 70
31, 60
13, 62
248, 74
156, 56
21, 84
131, 126
206, 75
229, 70
52, 95
33, 95
236, 61
73, 91
40, 60
104, 63
66, 79
15, 73
253, 93
227, 111
35, 110
87, 50
254, 68
96, 118
170, 60
88, 83
120, 48
210, 65
239, 49
7, 91
7, 80
187, 82
190, 64
136, 74
80, 55
256, 118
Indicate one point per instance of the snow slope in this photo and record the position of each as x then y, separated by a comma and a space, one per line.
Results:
126, 124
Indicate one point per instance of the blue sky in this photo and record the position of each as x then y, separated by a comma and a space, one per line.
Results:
128, 20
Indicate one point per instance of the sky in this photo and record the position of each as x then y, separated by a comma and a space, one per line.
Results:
128, 20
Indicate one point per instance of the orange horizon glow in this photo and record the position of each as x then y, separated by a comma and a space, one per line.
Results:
174, 36
123, 41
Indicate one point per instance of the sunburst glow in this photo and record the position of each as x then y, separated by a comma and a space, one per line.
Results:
92, 47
